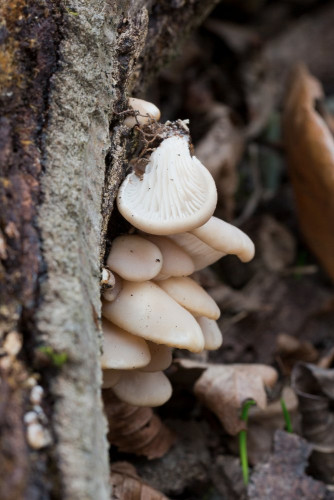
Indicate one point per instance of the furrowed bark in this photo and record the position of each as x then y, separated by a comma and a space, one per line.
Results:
66, 69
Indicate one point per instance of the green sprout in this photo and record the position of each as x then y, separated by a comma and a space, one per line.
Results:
243, 441
57, 358
288, 424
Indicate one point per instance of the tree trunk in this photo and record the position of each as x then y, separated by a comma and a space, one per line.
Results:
66, 71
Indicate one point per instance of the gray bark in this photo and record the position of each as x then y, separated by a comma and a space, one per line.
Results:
99, 54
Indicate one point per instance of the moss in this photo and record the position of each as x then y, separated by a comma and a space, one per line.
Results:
58, 359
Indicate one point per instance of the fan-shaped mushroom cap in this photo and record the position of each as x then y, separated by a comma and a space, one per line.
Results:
144, 309
175, 261
121, 350
143, 389
224, 237
175, 194
134, 258
191, 296
146, 112
211, 332
110, 377
201, 254
161, 357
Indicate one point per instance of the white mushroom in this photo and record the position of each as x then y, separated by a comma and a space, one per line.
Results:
191, 296
134, 258
175, 261
30, 417
107, 278
111, 293
143, 389
175, 194
121, 350
37, 436
161, 357
36, 394
146, 112
224, 237
201, 254
144, 309
211, 332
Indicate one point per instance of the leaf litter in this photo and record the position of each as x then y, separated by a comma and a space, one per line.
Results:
269, 145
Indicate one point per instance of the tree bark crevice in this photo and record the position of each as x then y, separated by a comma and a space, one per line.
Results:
69, 68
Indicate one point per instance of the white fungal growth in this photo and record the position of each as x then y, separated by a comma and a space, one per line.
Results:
36, 394
175, 197
175, 194
107, 278
30, 417
146, 112
37, 436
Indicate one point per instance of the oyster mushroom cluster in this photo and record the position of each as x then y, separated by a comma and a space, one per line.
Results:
152, 305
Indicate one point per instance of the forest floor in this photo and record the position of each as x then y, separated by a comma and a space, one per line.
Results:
232, 80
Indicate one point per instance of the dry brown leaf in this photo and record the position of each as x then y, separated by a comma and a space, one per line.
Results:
327, 361
224, 389
291, 350
127, 485
136, 429
310, 153
220, 150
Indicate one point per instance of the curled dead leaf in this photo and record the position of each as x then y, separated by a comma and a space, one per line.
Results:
314, 387
291, 350
224, 389
136, 429
310, 153
127, 485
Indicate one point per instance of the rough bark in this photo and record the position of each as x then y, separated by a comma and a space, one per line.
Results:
65, 72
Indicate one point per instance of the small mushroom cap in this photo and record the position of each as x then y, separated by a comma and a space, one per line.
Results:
175, 194
175, 261
191, 296
201, 254
224, 237
134, 258
110, 377
161, 357
121, 350
143, 389
144, 309
146, 112
107, 279
112, 292
211, 332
